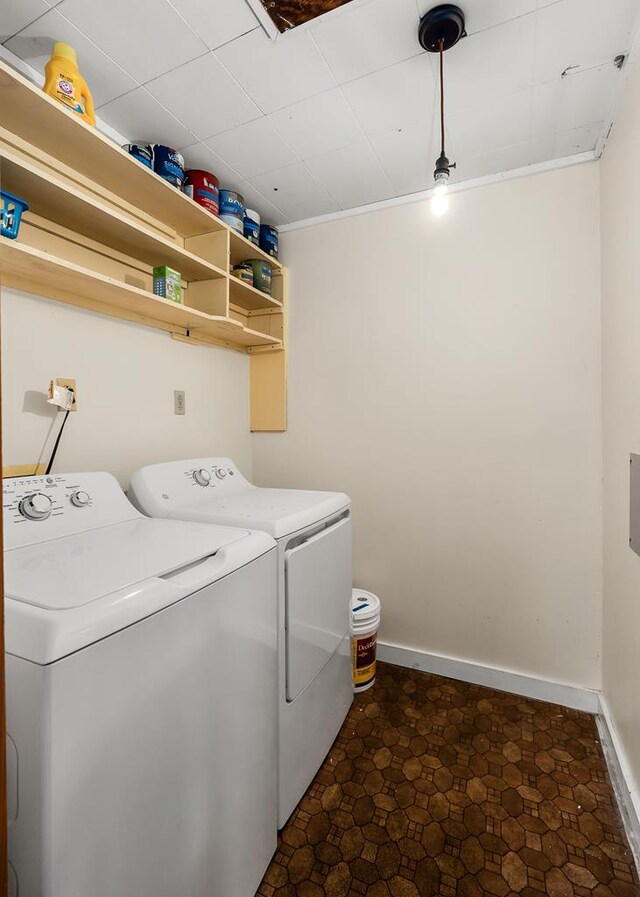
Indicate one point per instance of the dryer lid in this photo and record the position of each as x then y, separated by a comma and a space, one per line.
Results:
278, 512
213, 490
76, 570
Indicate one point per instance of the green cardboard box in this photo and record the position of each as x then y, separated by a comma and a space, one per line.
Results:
167, 283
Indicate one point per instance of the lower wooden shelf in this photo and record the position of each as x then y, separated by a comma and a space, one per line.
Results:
34, 271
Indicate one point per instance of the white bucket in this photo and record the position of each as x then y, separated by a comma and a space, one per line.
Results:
365, 620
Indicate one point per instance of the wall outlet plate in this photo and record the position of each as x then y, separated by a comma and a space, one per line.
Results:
179, 400
70, 384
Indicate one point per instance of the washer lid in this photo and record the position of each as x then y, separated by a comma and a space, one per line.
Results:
278, 512
76, 570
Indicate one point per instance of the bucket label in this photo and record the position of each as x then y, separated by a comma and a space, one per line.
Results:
363, 653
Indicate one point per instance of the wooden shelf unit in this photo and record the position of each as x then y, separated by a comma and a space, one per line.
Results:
99, 221
242, 249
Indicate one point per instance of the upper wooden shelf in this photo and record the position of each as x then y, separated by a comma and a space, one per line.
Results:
72, 208
31, 114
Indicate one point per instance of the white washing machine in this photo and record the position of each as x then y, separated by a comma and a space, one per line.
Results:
313, 532
141, 674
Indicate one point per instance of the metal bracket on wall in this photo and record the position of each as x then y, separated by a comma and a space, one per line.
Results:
634, 503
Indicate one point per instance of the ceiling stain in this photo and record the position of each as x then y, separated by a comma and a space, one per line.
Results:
289, 14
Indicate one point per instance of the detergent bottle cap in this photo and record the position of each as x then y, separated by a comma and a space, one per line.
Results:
66, 51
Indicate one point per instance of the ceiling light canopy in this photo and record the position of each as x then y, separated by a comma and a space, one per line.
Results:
440, 29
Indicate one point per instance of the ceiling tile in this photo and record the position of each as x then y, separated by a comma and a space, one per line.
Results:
253, 148
582, 33
317, 125
364, 40
573, 101
204, 97
269, 214
578, 140
298, 194
34, 44
407, 156
490, 64
352, 175
488, 13
142, 119
400, 96
199, 155
498, 123
219, 24
277, 73
508, 158
17, 14
146, 37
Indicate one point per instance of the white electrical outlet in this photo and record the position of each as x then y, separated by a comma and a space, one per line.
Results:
179, 401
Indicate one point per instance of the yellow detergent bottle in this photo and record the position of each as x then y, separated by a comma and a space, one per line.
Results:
64, 83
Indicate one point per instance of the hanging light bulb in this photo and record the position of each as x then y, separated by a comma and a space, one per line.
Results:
441, 28
440, 198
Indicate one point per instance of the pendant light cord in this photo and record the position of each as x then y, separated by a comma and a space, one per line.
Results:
441, 45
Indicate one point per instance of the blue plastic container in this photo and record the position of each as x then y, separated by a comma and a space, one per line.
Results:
11, 209
269, 240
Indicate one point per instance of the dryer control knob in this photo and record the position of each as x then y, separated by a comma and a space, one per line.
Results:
220, 473
202, 477
36, 506
80, 498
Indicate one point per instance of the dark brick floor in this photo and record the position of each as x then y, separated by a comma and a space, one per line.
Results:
436, 788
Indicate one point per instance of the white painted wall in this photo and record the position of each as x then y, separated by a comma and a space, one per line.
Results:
446, 374
620, 235
126, 376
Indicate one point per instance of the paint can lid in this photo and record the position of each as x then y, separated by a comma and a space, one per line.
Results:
365, 606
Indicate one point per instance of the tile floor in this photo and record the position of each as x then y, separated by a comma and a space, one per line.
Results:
436, 788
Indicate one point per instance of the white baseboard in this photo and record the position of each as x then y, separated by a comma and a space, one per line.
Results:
626, 791
503, 680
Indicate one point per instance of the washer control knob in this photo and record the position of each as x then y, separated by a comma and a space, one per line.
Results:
36, 506
80, 498
202, 477
220, 473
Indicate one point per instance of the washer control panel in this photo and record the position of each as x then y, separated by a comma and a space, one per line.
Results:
47, 507
37, 506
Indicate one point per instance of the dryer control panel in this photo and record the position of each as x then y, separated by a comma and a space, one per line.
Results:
39, 508
160, 488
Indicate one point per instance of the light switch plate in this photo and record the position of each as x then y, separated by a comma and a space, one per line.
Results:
179, 401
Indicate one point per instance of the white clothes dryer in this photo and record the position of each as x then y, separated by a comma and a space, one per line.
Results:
313, 532
141, 677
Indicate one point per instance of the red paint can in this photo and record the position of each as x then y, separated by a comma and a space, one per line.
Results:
203, 188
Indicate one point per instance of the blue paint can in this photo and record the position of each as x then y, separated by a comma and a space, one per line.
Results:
169, 164
269, 240
252, 226
142, 152
232, 209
